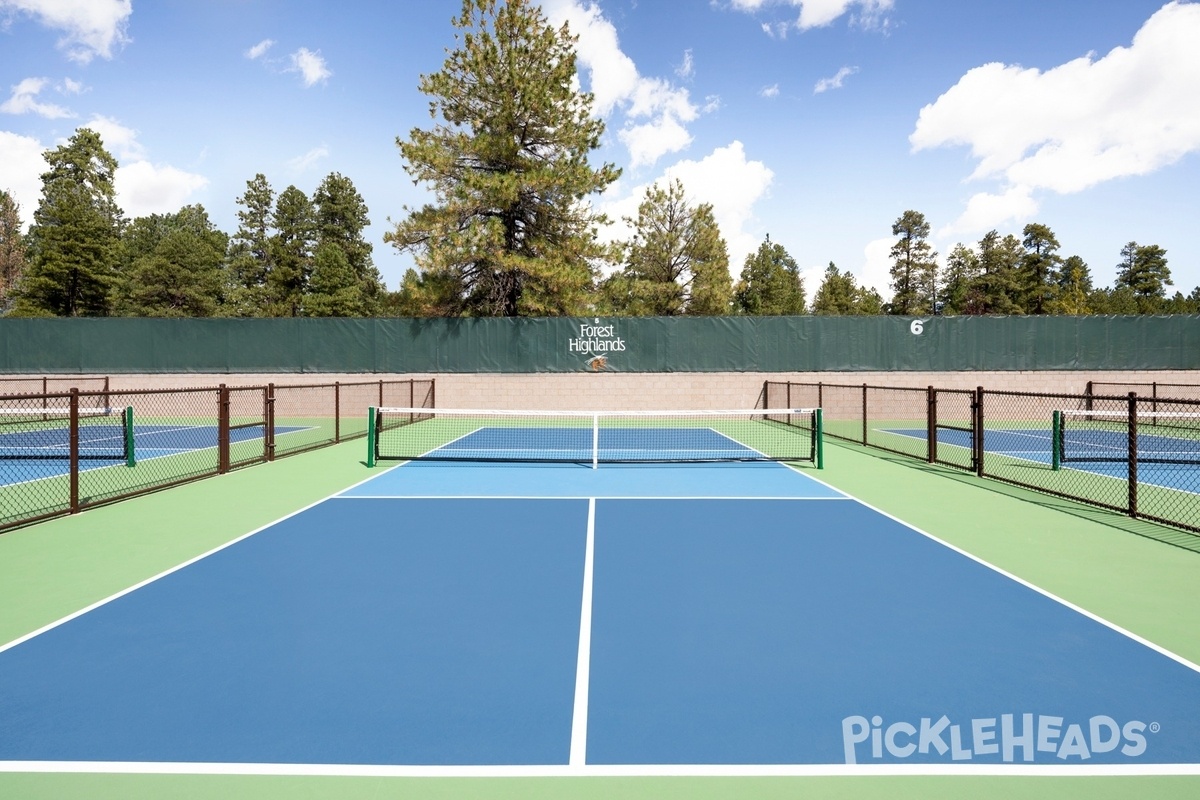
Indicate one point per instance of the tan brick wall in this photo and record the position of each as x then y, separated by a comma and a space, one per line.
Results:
684, 390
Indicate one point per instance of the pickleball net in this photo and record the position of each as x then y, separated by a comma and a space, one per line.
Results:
45, 434
594, 437
1115, 437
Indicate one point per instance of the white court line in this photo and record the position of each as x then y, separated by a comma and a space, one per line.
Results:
99, 603
575, 497
603, 770
1044, 592
579, 716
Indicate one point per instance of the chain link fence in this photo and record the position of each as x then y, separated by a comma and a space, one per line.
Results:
1133, 454
65, 451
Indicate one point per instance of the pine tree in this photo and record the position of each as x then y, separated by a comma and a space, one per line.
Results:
770, 283
75, 234
508, 233
1074, 288
960, 274
250, 254
995, 287
172, 266
291, 247
1143, 269
914, 266
341, 218
676, 263
1038, 273
12, 248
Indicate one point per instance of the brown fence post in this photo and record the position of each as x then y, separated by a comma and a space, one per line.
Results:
864, 415
222, 429
269, 422
978, 434
931, 425
73, 447
1133, 455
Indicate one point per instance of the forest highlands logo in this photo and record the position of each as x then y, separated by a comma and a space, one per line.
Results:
596, 342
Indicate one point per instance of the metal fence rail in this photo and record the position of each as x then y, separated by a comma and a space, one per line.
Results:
1148, 466
66, 451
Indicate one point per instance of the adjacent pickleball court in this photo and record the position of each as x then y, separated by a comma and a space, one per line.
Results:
645, 618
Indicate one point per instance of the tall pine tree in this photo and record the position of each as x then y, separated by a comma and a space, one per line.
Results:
75, 234
508, 232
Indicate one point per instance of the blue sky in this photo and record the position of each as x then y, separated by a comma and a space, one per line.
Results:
818, 122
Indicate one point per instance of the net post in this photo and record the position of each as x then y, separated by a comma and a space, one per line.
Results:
74, 449
819, 432
337, 412
595, 441
1133, 455
130, 457
1056, 441
371, 427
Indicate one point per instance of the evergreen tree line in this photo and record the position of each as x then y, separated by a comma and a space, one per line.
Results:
291, 255
509, 230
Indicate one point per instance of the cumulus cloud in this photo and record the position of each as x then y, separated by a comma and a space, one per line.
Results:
259, 50
89, 28
656, 112
22, 165
820, 13
825, 84
310, 65
118, 139
302, 163
688, 68
769, 91
144, 188
1072, 127
24, 100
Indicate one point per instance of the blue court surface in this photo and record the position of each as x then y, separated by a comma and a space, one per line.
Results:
45, 453
505, 619
1035, 446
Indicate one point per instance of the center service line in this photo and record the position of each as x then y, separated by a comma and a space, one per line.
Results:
582, 668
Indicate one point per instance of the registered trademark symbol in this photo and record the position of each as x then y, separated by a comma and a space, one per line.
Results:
1155, 727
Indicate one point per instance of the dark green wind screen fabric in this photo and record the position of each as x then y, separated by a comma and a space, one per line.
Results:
618, 344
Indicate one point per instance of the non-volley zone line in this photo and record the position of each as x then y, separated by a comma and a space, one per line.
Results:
417, 636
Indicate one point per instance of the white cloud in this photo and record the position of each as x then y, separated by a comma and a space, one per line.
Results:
24, 101
656, 112
310, 65
1074, 126
769, 91
118, 139
820, 13
21, 168
825, 84
688, 68
144, 188
90, 28
259, 50
724, 178
69, 86
876, 271
302, 163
